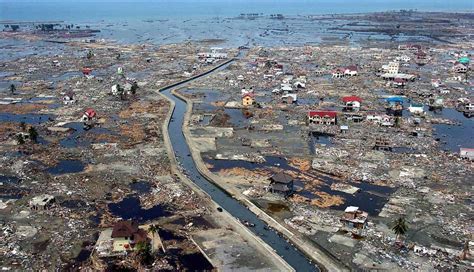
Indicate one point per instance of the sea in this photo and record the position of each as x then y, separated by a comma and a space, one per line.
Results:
168, 21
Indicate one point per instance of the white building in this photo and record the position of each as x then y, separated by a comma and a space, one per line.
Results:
393, 67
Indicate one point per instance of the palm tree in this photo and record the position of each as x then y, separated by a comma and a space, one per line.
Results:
12, 88
153, 229
400, 227
134, 88
20, 140
33, 134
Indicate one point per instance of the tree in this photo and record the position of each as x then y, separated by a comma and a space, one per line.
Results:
12, 88
33, 134
134, 88
19, 139
89, 55
143, 251
153, 229
400, 227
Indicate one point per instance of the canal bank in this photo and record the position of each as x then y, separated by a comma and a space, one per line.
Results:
176, 143
317, 254
214, 194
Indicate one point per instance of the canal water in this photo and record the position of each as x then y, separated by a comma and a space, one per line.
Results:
282, 247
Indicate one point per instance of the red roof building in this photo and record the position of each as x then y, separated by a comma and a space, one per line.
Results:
352, 98
90, 113
86, 70
322, 117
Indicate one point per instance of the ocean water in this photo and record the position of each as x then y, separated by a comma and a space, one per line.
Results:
106, 10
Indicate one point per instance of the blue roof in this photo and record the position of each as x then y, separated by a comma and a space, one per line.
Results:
394, 99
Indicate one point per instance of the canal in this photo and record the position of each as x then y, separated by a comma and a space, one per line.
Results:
282, 247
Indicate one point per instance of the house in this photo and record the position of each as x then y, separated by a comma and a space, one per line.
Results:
467, 153
354, 117
286, 87
338, 73
468, 107
460, 68
350, 70
416, 108
354, 218
42, 202
420, 55
373, 117
403, 58
399, 82
240, 77
68, 98
289, 98
299, 84
382, 143
281, 183
464, 60
86, 71
322, 117
344, 129
89, 117
126, 235
247, 99
352, 102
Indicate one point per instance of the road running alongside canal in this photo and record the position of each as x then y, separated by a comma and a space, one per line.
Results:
282, 247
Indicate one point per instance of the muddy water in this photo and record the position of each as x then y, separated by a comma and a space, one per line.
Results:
291, 255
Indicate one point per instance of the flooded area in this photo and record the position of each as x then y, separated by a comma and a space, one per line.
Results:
453, 137
130, 208
32, 119
66, 167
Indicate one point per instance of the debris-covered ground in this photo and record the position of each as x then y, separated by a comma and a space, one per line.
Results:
81, 142
65, 179
389, 162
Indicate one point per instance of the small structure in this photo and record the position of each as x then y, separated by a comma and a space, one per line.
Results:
289, 98
464, 60
322, 117
467, 153
351, 70
460, 68
416, 108
86, 71
286, 87
89, 118
68, 98
281, 183
338, 73
354, 218
352, 103
344, 129
240, 77
382, 143
399, 82
247, 99
126, 235
42, 202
